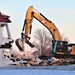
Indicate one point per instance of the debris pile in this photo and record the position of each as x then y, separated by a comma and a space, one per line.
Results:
45, 61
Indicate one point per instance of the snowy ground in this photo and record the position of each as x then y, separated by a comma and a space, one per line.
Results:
70, 70
36, 72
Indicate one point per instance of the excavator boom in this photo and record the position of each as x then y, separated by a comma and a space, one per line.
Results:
42, 19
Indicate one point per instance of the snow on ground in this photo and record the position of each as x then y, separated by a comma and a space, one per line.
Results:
17, 71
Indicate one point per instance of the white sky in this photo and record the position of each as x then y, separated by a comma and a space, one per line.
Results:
60, 12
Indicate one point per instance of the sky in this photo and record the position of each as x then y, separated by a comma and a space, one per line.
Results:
60, 12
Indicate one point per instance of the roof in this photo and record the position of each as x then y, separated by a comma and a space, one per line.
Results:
4, 18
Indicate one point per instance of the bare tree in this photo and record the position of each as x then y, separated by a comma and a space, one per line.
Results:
42, 40
64, 37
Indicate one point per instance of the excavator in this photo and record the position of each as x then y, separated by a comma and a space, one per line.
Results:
59, 47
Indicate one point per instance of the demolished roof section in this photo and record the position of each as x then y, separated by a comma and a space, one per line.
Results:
4, 18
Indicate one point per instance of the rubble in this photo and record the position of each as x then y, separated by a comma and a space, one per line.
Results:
46, 61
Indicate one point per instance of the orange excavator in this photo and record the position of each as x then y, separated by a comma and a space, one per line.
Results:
59, 47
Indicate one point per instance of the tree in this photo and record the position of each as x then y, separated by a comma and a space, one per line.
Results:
63, 37
43, 40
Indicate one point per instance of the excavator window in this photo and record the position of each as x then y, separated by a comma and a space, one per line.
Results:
62, 47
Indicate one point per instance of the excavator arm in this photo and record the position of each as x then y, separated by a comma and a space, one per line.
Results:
42, 19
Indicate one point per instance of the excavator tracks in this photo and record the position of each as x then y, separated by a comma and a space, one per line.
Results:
64, 56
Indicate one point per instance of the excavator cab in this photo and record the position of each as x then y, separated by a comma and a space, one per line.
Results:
59, 47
